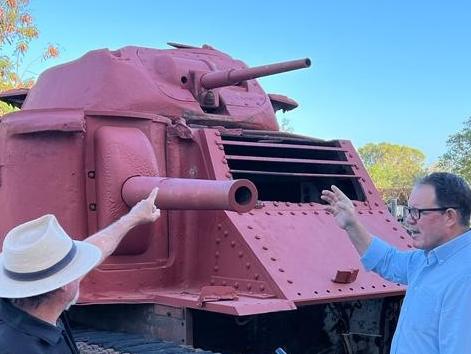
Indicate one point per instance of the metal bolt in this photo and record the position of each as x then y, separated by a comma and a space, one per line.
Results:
92, 206
91, 174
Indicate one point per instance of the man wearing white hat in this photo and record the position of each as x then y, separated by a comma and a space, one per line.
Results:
41, 269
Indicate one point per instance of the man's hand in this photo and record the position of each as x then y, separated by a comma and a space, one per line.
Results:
109, 238
145, 211
340, 206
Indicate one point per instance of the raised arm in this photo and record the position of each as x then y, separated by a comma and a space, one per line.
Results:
344, 212
109, 238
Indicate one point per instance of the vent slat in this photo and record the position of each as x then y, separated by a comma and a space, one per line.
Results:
287, 160
281, 146
293, 174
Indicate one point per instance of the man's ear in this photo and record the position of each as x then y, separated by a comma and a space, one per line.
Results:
453, 217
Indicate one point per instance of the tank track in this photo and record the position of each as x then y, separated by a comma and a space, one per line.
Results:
91, 341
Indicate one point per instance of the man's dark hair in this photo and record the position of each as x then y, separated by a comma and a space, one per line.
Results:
451, 190
32, 302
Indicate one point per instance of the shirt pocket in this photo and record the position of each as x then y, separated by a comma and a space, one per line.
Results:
426, 311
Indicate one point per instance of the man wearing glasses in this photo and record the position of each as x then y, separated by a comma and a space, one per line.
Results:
436, 311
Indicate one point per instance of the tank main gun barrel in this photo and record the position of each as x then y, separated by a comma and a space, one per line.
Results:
192, 194
233, 76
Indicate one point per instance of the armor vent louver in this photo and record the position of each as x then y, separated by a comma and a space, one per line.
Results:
289, 168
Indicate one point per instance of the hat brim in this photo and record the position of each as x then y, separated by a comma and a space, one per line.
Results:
86, 258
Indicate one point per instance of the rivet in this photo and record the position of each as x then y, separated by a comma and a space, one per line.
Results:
265, 248
258, 237
251, 213
276, 204
376, 204
216, 254
370, 192
281, 270
287, 204
249, 286
224, 282
327, 213
316, 213
247, 265
304, 213
381, 212
370, 212
350, 155
236, 285
218, 240
249, 227
225, 233
268, 213
219, 226
311, 204
395, 228
290, 281
91, 174
262, 287
363, 179
273, 259
233, 243
360, 212
212, 282
92, 206
388, 220
256, 276
280, 213
240, 254
300, 204
216, 268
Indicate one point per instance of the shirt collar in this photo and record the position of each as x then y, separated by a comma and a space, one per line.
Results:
24, 322
448, 249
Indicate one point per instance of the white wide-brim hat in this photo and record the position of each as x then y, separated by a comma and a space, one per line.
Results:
38, 256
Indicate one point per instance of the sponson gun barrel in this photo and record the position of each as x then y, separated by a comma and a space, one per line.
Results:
230, 77
192, 194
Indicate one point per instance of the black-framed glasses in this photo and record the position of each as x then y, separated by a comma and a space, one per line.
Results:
414, 213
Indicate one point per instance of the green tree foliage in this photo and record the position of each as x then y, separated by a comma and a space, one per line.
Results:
17, 30
458, 157
393, 168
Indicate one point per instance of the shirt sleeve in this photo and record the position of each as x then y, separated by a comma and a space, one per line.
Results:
387, 261
455, 315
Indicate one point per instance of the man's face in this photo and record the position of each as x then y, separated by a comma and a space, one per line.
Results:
429, 230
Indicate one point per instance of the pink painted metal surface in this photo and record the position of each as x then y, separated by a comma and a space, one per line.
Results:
96, 134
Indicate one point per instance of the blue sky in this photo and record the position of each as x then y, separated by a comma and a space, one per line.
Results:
383, 71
